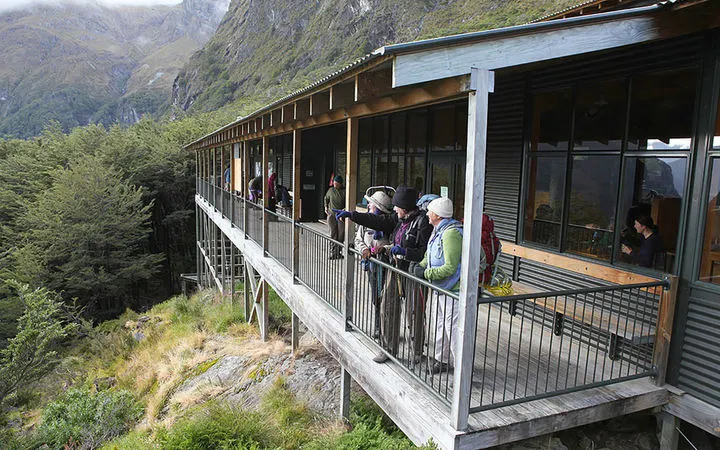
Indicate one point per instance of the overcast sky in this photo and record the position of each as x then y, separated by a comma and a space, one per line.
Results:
6, 5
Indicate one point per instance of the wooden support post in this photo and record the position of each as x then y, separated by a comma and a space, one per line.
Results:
345, 381
247, 291
223, 263
263, 317
245, 187
482, 82
296, 186
295, 339
669, 431
198, 239
350, 200
232, 273
266, 200
663, 330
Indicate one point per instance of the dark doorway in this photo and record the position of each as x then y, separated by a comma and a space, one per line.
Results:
322, 155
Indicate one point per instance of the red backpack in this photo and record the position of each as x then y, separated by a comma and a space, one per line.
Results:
491, 248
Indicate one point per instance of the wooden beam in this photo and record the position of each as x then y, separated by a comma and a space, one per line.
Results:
471, 252
295, 338
695, 411
342, 95
663, 330
669, 431
575, 265
275, 117
499, 50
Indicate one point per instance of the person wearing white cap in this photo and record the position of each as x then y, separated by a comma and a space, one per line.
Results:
441, 266
372, 243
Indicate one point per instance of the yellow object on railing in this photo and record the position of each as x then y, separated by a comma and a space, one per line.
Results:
501, 284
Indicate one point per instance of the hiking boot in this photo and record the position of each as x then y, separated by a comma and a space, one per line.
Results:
381, 358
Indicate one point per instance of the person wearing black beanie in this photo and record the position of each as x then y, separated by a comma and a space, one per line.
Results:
409, 231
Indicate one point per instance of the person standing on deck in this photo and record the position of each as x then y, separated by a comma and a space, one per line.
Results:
409, 231
372, 243
441, 266
335, 199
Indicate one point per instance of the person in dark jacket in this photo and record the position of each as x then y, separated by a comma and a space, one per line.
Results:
335, 199
409, 232
650, 246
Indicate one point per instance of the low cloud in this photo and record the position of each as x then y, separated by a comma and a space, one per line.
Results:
9, 5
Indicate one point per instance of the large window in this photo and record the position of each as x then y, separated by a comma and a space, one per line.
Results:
605, 154
710, 257
423, 148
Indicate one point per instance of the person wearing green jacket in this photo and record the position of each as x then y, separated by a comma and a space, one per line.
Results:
335, 199
441, 266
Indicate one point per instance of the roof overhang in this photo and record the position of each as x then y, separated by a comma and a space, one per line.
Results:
430, 60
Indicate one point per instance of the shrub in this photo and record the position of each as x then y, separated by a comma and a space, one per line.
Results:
219, 426
88, 419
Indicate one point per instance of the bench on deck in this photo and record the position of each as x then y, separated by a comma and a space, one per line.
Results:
607, 326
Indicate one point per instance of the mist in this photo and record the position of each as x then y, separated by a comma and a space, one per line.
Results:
9, 5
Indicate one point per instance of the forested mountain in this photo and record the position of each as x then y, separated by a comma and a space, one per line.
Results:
271, 47
81, 63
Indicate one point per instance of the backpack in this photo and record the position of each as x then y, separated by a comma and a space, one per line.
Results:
491, 248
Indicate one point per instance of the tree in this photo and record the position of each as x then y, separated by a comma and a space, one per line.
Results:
87, 238
31, 353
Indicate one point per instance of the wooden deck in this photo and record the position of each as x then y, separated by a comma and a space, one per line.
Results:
537, 360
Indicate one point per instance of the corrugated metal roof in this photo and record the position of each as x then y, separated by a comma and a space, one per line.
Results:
457, 39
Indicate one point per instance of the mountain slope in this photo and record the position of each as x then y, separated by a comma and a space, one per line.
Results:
82, 64
272, 47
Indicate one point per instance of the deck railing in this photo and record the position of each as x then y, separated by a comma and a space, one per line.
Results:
255, 222
238, 211
317, 270
280, 244
539, 345
526, 346
410, 329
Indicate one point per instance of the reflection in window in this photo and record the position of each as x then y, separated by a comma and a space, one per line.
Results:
710, 262
592, 205
551, 123
443, 128
652, 187
543, 206
600, 110
659, 110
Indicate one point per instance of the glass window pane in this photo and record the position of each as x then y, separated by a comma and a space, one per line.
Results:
710, 262
443, 128
652, 187
661, 110
461, 122
716, 138
593, 194
551, 120
364, 162
416, 146
543, 205
397, 149
380, 153
600, 110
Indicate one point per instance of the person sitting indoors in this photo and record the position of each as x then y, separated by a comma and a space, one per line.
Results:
650, 245
409, 230
372, 243
441, 266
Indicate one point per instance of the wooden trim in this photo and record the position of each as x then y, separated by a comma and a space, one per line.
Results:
535, 45
663, 330
575, 265
695, 411
351, 183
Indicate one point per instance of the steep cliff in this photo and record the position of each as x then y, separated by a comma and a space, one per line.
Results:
271, 47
